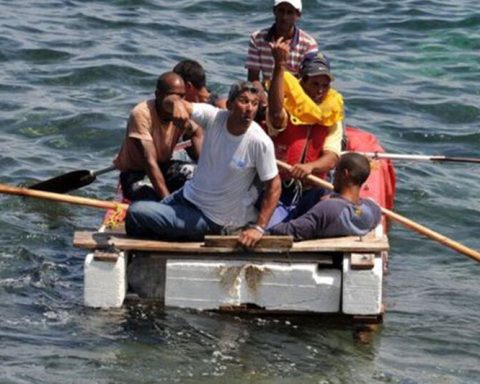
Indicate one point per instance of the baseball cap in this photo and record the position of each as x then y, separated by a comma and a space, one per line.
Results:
316, 66
297, 4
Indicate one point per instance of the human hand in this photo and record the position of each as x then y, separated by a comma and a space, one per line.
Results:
280, 50
300, 171
180, 114
249, 237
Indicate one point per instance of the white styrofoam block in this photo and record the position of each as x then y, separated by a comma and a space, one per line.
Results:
292, 287
105, 283
362, 289
201, 284
275, 286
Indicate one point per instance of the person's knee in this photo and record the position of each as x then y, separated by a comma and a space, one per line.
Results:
137, 216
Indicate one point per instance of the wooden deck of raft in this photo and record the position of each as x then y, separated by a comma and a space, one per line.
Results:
226, 245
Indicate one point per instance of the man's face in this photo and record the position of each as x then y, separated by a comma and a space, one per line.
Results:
316, 87
286, 16
244, 107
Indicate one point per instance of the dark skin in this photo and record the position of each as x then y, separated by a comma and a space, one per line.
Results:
316, 87
242, 112
174, 86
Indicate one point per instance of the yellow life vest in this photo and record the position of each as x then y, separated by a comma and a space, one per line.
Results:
303, 110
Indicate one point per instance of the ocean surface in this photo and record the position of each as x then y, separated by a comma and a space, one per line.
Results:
71, 70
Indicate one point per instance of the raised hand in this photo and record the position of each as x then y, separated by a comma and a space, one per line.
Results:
280, 50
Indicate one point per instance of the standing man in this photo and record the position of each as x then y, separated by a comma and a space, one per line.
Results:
305, 121
149, 143
302, 45
343, 213
220, 197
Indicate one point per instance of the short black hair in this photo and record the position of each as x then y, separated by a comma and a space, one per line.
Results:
191, 71
357, 165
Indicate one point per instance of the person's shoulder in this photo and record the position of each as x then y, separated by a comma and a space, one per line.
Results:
371, 204
307, 37
260, 33
258, 133
143, 107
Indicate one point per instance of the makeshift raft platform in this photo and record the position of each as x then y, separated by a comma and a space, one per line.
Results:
341, 276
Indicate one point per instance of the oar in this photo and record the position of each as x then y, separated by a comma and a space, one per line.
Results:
399, 156
70, 181
475, 255
94, 203
81, 178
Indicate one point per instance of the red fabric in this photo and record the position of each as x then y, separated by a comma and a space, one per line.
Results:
290, 143
380, 185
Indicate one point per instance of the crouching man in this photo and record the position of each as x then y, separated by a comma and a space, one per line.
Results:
342, 213
220, 197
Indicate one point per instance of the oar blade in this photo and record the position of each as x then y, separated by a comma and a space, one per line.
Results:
66, 182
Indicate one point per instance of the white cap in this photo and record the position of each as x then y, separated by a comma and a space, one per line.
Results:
297, 4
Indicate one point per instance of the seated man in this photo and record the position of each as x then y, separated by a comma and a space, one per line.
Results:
149, 143
195, 79
343, 213
305, 121
220, 197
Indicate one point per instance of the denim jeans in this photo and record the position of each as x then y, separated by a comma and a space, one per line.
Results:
174, 218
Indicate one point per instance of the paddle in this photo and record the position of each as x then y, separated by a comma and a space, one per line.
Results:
70, 181
398, 156
475, 255
94, 203
81, 178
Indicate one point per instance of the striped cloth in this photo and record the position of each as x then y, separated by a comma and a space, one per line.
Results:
260, 55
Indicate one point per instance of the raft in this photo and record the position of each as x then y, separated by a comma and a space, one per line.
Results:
340, 276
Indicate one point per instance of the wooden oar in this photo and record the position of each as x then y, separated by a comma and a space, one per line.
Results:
399, 156
81, 178
94, 203
410, 224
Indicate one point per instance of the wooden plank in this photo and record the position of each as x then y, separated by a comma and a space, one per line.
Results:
99, 240
362, 260
265, 242
101, 255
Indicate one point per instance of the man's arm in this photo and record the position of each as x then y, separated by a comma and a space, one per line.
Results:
194, 133
324, 163
180, 109
250, 236
153, 171
276, 113
331, 153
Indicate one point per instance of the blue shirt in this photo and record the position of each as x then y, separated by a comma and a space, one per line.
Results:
333, 217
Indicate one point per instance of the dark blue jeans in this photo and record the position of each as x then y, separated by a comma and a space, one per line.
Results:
174, 218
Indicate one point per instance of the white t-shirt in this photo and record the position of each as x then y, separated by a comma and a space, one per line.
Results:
222, 186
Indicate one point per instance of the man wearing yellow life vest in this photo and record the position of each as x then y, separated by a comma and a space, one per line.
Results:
305, 121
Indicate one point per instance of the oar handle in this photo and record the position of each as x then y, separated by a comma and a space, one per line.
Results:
94, 203
401, 156
104, 170
475, 255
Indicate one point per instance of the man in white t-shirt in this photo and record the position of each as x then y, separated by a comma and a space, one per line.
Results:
221, 195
